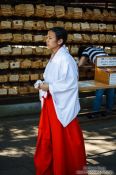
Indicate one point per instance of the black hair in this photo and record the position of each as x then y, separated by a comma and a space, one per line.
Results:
80, 51
60, 32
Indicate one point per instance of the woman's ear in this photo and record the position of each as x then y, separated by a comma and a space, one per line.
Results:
60, 41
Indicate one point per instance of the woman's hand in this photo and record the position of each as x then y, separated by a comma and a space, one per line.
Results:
44, 86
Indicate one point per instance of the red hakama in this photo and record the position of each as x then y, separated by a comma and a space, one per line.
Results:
59, 150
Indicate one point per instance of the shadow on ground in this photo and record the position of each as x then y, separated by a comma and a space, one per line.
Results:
18, 140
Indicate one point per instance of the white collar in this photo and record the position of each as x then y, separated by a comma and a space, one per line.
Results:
60, 51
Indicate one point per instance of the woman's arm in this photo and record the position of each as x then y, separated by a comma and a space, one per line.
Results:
82, 61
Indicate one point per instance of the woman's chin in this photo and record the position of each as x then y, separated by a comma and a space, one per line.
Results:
48, 47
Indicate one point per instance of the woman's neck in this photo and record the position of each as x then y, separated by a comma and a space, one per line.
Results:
55, 50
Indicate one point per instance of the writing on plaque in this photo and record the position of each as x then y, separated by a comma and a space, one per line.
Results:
112, 79
106, 61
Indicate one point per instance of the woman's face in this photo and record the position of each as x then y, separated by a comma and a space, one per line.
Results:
51, 41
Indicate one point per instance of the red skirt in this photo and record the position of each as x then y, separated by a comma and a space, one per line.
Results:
59, 150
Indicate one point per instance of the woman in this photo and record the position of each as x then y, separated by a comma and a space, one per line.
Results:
60, 147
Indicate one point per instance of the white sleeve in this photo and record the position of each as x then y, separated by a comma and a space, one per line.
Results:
65, 95
67, 81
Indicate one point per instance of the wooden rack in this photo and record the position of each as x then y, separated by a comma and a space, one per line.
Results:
25, 87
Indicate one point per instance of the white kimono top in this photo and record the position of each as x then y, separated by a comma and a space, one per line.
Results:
62, 76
